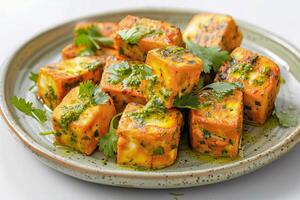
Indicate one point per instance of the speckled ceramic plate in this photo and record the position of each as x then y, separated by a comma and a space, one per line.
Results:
261, 145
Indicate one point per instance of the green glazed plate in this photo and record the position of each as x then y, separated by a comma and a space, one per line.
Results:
261, 145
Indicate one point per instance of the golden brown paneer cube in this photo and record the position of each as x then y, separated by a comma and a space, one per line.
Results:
177, 72
56, 80
216, 127
209, 30
104, 29
116, 83
151, 144
72, 51
136, 36
79, 124
260, 77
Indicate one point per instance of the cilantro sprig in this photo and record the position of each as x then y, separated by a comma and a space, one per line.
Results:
108, 143
90, 37
131, 75
28, 109
213, 57
92, 93
136, 33
220, 89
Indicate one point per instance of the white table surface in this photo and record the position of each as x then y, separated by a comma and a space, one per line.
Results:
24, 177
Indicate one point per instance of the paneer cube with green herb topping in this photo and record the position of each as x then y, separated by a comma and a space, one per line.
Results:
136, 36
216, 127
125, 81
72, 51
260, 77
82, 118
56, 80
177, 72
210, 30
91, 38
149, 141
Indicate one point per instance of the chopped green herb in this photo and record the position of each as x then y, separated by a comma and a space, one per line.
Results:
71, 113
159, 151
108, 143
212, 57
92, 93
92, 65
153, 106
131, 75
136, 33
90, 37
28, 109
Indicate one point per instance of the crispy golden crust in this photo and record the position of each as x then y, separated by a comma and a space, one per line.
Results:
56, 80
84, 133
176, 73
169, 35
214, 30
261, 82
152, 145
122, 95
217, 126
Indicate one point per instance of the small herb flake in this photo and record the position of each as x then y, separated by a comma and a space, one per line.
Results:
159, 151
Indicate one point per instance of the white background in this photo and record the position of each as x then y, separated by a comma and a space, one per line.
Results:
22, 176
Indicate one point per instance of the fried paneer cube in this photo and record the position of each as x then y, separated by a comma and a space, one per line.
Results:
80, 126
104, 29
216, 127
209, 30
136, 36
177, 72
260, 77
56, 80
119, 81
151, 144
72, 51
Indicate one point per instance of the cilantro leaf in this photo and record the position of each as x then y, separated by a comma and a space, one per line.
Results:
28, 109
286, 119
224, 87
213, 58
92, 93
131, 75
187, 101
90, 37
33, 77
86, 89
191, 100
136, 33
99, 97
108, 143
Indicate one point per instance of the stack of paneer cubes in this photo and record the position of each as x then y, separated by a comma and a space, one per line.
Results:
141, 73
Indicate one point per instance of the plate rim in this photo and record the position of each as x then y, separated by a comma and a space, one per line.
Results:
39, 150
